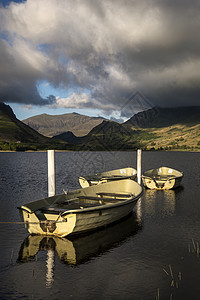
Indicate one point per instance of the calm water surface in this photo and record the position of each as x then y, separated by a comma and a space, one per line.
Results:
153, 253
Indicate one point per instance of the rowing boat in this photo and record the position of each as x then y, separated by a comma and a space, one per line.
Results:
163, 178
81, 210
99, 178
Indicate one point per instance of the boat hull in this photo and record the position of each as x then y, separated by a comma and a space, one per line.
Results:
101, 217
163, 178
75, 223
93, 210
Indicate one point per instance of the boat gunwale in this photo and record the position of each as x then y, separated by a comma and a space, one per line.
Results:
113, 177
149, 174
164, 179
90, 209
105, 175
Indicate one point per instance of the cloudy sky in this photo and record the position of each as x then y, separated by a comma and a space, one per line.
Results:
93, 57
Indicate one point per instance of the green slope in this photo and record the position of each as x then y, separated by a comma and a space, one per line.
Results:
108, 136
171, 128
19, 135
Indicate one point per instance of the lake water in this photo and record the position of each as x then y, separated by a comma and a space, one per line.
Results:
153, 254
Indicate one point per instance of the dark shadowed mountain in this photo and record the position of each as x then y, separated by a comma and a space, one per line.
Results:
162, 117
52, 125
68, 137
108, 135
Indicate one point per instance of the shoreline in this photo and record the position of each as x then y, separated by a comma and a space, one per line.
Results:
40, 151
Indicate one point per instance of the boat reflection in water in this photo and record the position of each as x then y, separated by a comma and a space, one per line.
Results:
82, 248
163, 201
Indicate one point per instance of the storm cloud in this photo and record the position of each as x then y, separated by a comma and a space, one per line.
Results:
104, 50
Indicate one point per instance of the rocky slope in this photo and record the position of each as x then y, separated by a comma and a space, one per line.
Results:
51, 125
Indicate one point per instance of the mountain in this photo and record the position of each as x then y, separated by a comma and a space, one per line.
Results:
158, 117
168, 128
20, 135
158, 128
68, 137
52, 125
155, 129
108, 135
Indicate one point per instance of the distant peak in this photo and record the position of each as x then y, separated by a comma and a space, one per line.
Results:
75, 113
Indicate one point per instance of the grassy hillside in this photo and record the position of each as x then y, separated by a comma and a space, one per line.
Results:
15, 135
168, 128
52, 125
181, 137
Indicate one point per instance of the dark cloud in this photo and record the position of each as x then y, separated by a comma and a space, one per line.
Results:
19, 76
106, 50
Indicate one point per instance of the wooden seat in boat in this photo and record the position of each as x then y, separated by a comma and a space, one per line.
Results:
122, 195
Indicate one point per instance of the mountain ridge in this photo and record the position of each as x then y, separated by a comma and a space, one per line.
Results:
162, 117
52, 125
151, 129
155, 129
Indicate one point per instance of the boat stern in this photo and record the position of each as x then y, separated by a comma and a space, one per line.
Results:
152, 184
42, 223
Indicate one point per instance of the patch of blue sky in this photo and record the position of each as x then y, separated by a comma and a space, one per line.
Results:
45, 48
45, 89
4, 36
5, 3
9, 37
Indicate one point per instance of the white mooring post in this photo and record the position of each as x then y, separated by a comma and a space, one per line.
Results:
51, 174
139, 165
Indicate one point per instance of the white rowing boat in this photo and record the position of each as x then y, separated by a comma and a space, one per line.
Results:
99, 178
81, 210
163, 178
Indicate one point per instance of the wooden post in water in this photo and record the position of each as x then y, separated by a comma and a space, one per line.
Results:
51, 174
51, 192
139, 165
